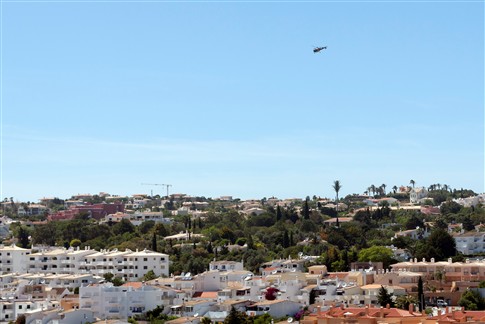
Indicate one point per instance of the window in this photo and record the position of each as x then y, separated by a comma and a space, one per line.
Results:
145, 267
20, 306
145, 259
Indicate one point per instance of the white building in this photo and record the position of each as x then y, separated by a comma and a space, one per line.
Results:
224, 265
59, 260
275, 308
126, 264
470, 243
130, 265
59, 317
109, 302
13, 259
12, 308
417, 193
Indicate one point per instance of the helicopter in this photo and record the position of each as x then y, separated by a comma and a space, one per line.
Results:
318, 49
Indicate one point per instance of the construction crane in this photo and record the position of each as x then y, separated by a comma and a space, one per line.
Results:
166, 185
152, 184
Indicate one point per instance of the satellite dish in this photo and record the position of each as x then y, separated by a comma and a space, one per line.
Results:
290, 319
196, 314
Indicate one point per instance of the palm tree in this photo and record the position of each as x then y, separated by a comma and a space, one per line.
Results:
383, 186
336, 186
394, 189
412, 182
373, 189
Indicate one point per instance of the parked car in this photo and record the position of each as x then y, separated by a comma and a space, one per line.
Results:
441, 303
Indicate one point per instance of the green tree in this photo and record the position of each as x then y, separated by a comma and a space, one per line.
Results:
337, 186
472, 300
236, 317
450, 207
146, 226
376, 254
124, 226
306, 210
21, 319
23, 237
150, 275
443, 243
117, 281
384, 298
263, 319
75, 242
404, 301
420, 294
279, 214
154, 242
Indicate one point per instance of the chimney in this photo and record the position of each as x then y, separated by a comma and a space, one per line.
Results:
388, 306
381, 312
411, 308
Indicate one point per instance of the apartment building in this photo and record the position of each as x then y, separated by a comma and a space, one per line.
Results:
12, 259
109, 302
59, 260
130, 265
470, 243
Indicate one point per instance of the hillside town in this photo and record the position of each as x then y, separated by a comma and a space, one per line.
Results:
410, 255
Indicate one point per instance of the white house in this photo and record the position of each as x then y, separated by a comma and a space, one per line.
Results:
417, 193
275, 308
224, 265
59, 317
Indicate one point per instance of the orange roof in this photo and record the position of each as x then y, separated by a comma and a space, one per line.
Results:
358, 312
205, 294
134, 284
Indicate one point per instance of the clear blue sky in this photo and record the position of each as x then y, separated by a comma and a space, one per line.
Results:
228, 98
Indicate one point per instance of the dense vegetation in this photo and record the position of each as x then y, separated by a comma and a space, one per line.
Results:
279, 232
